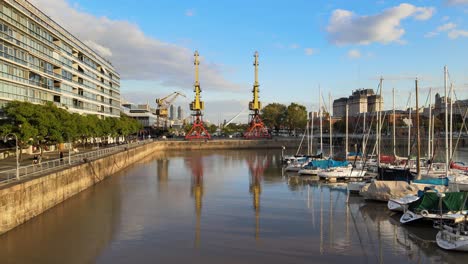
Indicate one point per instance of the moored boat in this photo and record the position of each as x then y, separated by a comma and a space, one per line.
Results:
453, 238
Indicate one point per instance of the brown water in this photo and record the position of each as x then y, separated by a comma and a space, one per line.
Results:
218, 207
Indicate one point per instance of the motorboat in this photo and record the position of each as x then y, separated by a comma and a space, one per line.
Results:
453, 238
449, 207
401, 204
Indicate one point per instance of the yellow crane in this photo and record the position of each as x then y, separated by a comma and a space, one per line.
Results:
257, 128
198, 130
164, 104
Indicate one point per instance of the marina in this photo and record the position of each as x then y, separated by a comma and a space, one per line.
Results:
220, 206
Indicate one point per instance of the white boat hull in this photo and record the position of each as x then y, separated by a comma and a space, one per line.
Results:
409, 217
450, 241
355, 187
401, 204
293, 168
341, 173
309, 171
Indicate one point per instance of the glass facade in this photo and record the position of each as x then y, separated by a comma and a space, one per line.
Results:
41, 62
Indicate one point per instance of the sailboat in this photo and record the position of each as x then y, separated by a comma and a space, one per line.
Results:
345, 171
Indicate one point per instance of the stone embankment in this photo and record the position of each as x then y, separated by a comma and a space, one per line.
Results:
21, 201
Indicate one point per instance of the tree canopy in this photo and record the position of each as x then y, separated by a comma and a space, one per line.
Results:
296, 116
274, 115
47, 124
279, 116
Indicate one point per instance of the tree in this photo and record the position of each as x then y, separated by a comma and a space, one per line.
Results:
274, 115
296, 116
212, 128
44, 125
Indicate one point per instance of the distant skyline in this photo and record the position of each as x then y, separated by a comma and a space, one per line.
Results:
339, 45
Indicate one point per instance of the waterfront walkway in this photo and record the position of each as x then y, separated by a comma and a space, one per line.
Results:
51, 160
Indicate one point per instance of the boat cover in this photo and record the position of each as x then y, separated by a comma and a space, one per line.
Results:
386, 190
459, 166
452, 202
329, 163
433, 181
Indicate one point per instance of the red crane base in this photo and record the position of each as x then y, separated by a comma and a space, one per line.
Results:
198, 130
256, 129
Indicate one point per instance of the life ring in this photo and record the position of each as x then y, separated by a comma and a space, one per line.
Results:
424, 213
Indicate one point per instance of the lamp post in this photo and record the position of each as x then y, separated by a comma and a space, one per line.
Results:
69, 147
17, 152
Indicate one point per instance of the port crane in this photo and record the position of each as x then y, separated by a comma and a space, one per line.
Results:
163, 106
198, 130
256, 127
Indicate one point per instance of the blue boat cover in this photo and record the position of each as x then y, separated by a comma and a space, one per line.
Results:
358, 154
325, 164
441, 181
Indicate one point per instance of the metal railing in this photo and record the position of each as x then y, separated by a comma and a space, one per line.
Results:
8, 176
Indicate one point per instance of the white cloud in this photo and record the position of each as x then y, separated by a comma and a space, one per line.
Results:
345, 27
135, 55
452, 30
104, 51
446, 27
354, 54
309, 51
442, 28
294, 46
454, 34
456, 2
190, 13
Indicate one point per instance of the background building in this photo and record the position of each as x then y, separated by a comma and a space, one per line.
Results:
143, 113
180, 113
172, 112
361, 101
41, 62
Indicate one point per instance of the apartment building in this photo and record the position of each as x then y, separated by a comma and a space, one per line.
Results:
42, 62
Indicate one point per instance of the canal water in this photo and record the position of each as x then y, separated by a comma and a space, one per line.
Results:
218, 207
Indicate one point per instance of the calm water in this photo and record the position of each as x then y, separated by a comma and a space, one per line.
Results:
218, 207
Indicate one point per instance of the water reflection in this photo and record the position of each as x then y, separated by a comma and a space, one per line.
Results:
194, 207
195, 164
257, 165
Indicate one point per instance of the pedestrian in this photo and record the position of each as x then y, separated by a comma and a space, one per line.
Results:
61, 156
35, 159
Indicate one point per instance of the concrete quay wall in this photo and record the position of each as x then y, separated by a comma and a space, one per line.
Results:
23, 200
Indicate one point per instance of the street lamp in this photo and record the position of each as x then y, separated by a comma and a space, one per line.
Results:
17, 153
69, 147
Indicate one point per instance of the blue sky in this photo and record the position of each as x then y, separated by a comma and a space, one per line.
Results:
339, 45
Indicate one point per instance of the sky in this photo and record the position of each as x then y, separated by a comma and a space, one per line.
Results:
337, 45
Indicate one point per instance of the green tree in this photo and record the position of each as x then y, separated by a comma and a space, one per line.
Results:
274, 115
296, 116
212, 128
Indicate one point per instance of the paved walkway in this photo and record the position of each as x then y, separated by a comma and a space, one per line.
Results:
27, 159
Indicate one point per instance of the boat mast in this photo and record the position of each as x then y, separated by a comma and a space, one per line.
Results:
410, 123
346, 141
320, 116
378, 123
330, 123
451, 123
446, 123
429, 133
364, 134
312, 133
394, 140
418, 140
